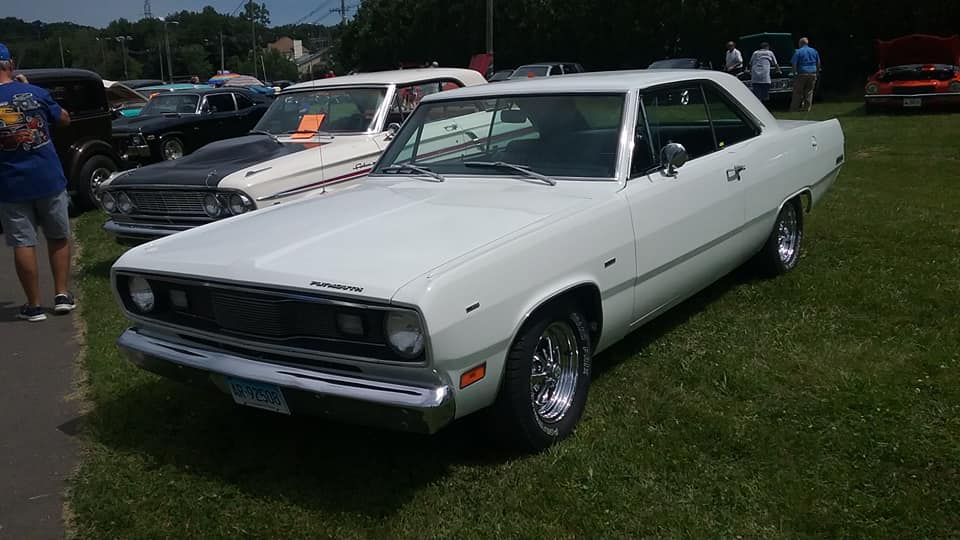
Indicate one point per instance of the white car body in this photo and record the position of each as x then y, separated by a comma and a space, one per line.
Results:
476, 258
327, 162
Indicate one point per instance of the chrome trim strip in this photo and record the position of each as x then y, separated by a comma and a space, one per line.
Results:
901, 96
434, 404
123, 230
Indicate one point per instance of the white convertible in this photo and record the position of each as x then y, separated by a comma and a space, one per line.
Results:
315, 136
487, 272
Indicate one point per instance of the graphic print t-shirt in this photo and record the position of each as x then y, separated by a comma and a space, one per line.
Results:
29, 166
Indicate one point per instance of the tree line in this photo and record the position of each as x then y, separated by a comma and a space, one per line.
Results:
619, 34
194, 43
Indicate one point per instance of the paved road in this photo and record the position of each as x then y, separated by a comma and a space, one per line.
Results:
37, 450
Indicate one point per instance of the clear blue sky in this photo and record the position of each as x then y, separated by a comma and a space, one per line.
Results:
100, 12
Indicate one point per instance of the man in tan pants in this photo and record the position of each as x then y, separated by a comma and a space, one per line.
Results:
806, 65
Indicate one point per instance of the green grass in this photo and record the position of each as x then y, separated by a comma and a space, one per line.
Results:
824, 403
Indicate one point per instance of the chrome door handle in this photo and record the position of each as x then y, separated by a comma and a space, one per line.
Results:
733, 175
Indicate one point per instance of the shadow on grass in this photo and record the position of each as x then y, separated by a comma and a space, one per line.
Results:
317, 464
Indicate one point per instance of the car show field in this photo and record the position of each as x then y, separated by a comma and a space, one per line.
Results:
822, 403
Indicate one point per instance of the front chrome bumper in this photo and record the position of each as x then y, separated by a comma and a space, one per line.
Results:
137, 151
349, 397
135, 233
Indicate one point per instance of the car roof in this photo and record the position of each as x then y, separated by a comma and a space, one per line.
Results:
202, 90
47, 74
468, 77
602, 81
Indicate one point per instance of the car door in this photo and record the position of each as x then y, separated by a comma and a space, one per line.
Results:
219, 119
683, 222
246, 118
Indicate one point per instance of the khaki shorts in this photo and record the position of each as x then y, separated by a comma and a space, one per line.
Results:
20, 220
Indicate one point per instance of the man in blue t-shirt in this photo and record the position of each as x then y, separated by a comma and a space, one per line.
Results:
33, 187
806, 66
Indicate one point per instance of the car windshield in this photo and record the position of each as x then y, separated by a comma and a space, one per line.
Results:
530, 71
331, 110
560, 136
171, 103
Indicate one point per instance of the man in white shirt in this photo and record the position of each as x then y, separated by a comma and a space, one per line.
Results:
761, 62
734, 62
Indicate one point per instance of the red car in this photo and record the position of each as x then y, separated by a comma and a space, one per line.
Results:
915, 71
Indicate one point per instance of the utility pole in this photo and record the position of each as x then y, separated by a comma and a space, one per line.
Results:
490, 27
166, 39
62, 63
221, 51
343, 12
123, 52
253, 39
160, 54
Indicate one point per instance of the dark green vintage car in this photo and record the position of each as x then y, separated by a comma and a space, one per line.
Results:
174, 124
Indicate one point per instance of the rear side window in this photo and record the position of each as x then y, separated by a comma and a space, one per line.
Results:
243, 102
221, 103
729, 123
79, 98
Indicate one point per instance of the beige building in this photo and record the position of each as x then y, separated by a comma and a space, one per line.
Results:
289, 47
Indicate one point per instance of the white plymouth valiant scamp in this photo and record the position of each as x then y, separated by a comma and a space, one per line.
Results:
315, 136
487, 272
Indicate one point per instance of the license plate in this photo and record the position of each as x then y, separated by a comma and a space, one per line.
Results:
259, 395
912, 102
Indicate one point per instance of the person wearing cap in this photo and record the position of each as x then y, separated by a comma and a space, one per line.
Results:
33, 187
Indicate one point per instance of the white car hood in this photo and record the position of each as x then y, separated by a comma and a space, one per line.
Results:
368, 240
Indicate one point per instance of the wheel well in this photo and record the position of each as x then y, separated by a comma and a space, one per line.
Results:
585, 296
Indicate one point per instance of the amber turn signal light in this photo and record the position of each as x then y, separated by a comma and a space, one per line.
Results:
473, 375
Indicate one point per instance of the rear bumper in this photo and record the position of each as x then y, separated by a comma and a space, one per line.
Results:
128, 233
349, 397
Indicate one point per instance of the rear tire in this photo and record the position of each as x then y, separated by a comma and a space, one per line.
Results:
94, 172
545, 381
781, 253
171, 148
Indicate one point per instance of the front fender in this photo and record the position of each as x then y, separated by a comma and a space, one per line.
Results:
83, 149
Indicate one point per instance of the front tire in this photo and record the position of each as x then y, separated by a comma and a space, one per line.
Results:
781, 253
171, 148
94, 172
546, 380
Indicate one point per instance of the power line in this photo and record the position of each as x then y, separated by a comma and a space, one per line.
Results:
322, 5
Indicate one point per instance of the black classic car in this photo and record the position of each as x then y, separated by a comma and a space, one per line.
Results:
173, 124
84, 146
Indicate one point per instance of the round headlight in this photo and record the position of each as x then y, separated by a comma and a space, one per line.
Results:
124, 203
108, 202
238, 204
404, 333
141, 294
873, 88
212, 206
954, 86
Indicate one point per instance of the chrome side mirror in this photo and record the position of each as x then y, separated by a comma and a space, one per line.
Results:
392, 129
672, 157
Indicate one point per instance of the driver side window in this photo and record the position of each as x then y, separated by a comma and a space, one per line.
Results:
678, 114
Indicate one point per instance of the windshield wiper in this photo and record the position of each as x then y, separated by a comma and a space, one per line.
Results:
415, 168
526, 171
308, 131
267, 133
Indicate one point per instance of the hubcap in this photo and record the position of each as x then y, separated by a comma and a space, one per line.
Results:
98, 177
172, 150
788, 234
554, 372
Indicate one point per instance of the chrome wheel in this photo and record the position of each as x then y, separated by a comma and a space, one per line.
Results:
172, 149
98, 177
554, 372
788, 235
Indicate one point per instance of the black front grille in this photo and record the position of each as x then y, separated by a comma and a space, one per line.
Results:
177, 203
909, 90
303, 322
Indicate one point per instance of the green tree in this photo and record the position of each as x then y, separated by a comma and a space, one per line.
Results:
193, 61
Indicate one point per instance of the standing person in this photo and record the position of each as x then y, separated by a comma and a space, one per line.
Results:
806, 64
734, 59
761, 62
33, 187
194, 80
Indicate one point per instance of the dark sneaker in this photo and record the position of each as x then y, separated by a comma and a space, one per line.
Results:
32, 313
64, 303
